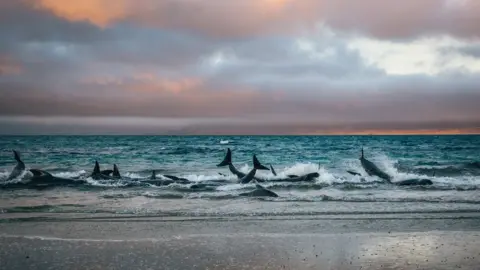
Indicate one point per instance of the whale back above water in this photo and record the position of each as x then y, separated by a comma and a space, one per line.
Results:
97, 174
260, 191
372, 169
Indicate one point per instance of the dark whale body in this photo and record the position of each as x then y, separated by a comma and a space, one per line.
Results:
260, 191
372, 169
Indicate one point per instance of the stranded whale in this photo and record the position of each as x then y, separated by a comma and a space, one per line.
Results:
260, 191
372, 169
19, 168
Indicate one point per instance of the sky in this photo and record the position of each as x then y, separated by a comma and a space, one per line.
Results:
239, 67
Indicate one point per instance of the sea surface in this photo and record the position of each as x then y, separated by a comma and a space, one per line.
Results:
451, 162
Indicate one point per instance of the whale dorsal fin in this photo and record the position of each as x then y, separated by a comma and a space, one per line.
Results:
38, 173
96, 169
154, 175
273, 170
257, 165
227, 160
362, 156
116, 173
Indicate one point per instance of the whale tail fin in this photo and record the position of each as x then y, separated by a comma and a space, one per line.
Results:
273, 170
227, 160
154, 175
116, 173
257, 165
16, 155
96, 169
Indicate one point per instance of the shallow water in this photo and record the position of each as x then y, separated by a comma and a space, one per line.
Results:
451, 162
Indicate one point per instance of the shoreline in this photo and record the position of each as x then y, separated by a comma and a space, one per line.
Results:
167, 248
97, 241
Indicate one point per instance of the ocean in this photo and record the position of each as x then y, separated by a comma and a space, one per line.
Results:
451, 162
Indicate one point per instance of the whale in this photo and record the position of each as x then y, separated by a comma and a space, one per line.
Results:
295, 178
407, 182
372, 170
41, 177
97, 174
309, 177
250, 176
414, 182
260, 191
18, 169
227, 161
179, 180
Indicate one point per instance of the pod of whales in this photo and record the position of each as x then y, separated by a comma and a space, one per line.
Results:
44, 178
227, 161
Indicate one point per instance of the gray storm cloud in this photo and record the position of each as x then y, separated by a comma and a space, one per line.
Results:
267, 66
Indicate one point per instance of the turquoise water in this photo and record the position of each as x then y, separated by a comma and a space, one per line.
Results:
451, 162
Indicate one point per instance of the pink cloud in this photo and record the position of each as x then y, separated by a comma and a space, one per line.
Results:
255, 17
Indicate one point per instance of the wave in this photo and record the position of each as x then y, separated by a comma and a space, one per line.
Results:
221, 180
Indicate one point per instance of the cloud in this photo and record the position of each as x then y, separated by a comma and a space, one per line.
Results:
384, 19
303, 66
430, 56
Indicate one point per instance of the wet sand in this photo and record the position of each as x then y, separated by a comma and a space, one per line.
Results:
317, 242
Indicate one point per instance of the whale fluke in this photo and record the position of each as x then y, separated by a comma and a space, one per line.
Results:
251, 175
273, 170
16, 156
153, 176
227, 160
257, 165
19, 168
116, 173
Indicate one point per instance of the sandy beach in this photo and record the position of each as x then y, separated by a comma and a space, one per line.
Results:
317, 242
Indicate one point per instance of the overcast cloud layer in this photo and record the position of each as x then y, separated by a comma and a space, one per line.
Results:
242, 67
